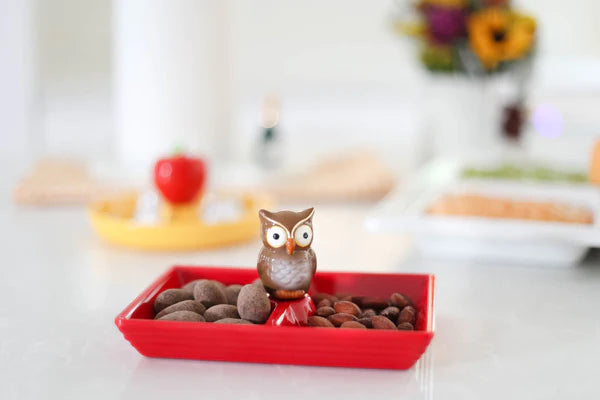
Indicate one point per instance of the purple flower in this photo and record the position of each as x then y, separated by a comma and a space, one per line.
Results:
445, 24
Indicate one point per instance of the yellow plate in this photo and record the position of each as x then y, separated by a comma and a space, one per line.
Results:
112, 220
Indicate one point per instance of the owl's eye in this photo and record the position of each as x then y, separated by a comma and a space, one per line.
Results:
276, 236
303, 235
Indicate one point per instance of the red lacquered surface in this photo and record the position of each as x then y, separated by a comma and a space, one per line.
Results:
284, 344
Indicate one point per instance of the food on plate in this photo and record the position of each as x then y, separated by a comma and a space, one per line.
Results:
186, 316
221, 311
253, 304
475, 205
204, 300
515, 172
186, 305
209, 301
209, 293
170, 297
360, 312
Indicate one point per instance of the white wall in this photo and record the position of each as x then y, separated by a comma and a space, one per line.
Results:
16, 78
73, 51
343, 75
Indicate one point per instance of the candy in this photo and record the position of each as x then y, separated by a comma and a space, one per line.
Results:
324, 303
399, 300
189, 287
381, 322
232, 292
391, 313
169, 297
352, 325
325, 311
186, 305
339, 318
237, 321
366, 321
209, 293
376, 303
253, 304
369, 312
349, 311
408, 314
405, 326
187, 316
347, 307
221, 311
320, 322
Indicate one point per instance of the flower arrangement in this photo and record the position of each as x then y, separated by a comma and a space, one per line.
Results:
471, 36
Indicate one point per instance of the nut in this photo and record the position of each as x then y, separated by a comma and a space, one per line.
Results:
399, 300
258, 282
253, 304
347, 307
237, 321
317, 297
184, 315
189, 287
344, 296
358, 300
368, 313
320, 322
366, 322
408, 314
381, 322
325, 311
353, 325
220, 286
325, 303
186, 305
209, 293
391, 313
376, 303
406, 326
170, 297
232, 292
221, 311
339, 318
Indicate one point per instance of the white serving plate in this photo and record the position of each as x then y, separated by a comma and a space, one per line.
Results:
488, 239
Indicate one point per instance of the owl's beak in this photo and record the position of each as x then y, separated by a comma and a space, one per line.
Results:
290, 245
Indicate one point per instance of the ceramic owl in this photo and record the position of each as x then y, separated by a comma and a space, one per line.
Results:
286, 263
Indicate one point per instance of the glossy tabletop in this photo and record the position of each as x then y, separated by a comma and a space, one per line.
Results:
501, 331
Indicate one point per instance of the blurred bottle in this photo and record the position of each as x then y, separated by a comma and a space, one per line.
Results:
269, 150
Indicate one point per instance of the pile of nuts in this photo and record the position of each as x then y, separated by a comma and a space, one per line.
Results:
206, 300
361, 312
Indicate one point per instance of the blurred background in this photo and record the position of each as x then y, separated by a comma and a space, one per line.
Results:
464, 131
310, 102
128, 81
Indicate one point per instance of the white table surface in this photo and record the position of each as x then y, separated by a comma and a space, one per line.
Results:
501, 331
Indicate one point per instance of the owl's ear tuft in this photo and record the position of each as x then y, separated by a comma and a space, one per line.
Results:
265, 215
308, 213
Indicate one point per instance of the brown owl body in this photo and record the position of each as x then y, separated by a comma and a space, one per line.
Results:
286, 263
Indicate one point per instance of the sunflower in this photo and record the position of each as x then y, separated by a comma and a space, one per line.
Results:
497, 35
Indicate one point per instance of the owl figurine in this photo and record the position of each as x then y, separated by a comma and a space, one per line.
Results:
286, 263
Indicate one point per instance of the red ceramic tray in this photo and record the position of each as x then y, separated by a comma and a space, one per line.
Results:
283, 344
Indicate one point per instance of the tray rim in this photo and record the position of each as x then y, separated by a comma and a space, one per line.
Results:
124, 317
